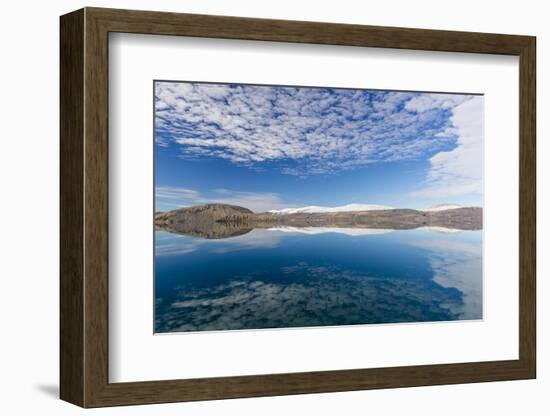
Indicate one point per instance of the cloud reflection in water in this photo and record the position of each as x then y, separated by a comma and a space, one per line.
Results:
316, 290
458, 264
317, 296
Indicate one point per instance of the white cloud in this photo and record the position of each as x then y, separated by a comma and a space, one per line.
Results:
174, 197
459, 171
167, 192
256, 201
307, 130
425, 102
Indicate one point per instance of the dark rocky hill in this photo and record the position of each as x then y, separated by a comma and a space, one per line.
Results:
207, 221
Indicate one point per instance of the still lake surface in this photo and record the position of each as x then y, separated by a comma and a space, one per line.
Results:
281, 278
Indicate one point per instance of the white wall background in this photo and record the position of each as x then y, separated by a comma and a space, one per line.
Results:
29, 207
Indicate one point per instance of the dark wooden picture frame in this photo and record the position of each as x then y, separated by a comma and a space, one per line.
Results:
84, 207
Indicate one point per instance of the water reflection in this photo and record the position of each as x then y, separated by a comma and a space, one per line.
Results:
458, 264
273, 278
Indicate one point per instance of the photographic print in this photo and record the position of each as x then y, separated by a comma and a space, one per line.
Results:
294, 206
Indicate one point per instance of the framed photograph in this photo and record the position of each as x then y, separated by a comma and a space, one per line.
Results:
255, 207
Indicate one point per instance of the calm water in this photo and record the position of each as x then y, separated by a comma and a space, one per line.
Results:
299, 278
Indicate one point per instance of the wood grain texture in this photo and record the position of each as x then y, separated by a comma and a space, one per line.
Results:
162, 23
71, 203
96, 208
84, 207
528, 208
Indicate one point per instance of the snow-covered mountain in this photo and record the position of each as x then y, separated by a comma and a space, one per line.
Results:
342, 208
356, 207
441, 207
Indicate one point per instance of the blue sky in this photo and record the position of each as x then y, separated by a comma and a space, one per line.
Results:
266, 147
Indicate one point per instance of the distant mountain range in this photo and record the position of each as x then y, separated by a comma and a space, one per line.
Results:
342, 208
355, 207
223, 220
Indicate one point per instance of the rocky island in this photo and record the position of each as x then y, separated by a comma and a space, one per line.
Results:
215, 220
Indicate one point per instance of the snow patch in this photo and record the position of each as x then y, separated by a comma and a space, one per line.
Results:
442, 207
342, 208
